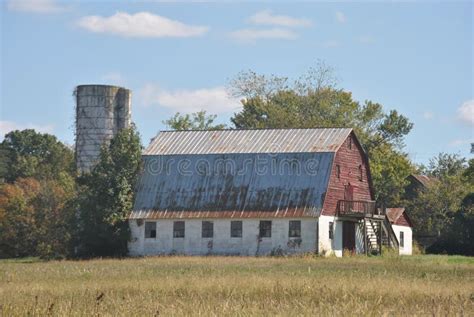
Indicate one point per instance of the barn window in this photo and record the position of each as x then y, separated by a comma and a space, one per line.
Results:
295, 229
360, 173
207, 229
265, 229
349, 143
402, 239
236, 229
338, 171
331, 230
178, 229
150, 229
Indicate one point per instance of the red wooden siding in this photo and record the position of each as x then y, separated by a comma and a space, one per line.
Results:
349, 160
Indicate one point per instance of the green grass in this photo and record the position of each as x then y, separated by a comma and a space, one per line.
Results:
176, 286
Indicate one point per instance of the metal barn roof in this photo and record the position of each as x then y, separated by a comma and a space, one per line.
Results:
248, 141
232, 185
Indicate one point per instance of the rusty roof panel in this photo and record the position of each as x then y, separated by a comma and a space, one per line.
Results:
247, 141
199, 214
232, 185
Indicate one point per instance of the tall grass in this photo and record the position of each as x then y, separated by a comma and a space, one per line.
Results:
176, 286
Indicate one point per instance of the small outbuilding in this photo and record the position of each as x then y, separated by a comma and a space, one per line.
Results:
402, 226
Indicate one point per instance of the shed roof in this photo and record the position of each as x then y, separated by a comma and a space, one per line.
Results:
248, 141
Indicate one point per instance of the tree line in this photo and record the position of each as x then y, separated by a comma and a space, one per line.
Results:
47, 209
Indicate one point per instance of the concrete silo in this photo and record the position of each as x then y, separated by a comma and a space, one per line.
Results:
101, 111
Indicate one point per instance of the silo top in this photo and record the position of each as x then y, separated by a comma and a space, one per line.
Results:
100, 90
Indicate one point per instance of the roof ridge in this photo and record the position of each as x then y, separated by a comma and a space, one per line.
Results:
252, 129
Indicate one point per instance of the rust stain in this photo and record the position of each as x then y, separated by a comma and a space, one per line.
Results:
165, 214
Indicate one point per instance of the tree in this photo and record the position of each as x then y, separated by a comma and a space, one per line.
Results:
106, 197
194, 121
35, 200
35, 217
17, 220
458, 238
313, 101
389, 171
28, 153
446, 164
444, 208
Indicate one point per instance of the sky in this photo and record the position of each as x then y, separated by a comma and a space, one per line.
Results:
415, 57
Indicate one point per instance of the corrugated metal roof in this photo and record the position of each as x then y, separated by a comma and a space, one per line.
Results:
248, 141
232, 185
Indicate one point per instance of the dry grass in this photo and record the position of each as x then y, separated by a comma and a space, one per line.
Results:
176, 286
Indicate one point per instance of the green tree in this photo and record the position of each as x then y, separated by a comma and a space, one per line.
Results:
313, 101
35, 201
443, 209
28, 153
54, 217
195, 121
468, 173
106, 197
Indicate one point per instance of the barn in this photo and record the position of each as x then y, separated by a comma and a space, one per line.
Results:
257, 192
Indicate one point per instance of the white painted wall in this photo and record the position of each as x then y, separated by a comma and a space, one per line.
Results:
222, 243
328, 246
407, 248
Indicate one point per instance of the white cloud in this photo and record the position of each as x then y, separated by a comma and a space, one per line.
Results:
35, 6
214, 100
7, 126
428, 115
142, 24
340, 17
365, 39
266, 17
466, 112
252, 35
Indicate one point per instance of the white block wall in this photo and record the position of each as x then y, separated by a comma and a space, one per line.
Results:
325, 245
328, 246
222, 243
407, 248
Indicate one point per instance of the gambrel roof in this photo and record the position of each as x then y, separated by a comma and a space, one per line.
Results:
297, 164
248, 141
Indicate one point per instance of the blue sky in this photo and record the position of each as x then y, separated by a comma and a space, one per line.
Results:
416, 58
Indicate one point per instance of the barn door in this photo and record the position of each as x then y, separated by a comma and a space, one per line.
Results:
348, 236
349, 192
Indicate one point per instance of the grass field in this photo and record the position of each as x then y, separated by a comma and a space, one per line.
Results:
418, 285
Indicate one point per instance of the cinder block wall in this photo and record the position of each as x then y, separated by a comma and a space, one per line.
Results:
222, 243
